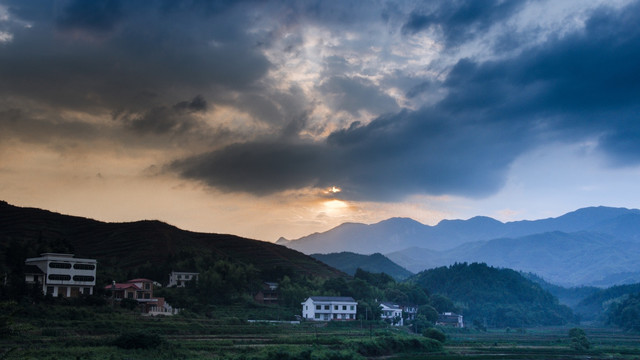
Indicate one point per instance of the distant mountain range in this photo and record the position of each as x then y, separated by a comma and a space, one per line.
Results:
592, 246
376, 263
123, 247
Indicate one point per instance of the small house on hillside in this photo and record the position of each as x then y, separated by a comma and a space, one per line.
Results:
410, 312
326, 308
391, 313
450, 319
268, 294
181, 278
61, 274
141, 290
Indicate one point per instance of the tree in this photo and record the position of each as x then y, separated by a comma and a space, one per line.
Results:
579, 340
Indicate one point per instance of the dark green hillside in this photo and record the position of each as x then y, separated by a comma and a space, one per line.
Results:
499, 297
152, 247
567, 296
376, 263
596, 305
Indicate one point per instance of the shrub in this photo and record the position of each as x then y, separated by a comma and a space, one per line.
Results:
579, 341
138, 340
435, 334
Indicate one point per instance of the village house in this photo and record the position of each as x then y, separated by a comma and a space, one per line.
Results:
450, 319
325, 308
268, 294
61, 274
181, 278
392, 313
410, 312
141, 290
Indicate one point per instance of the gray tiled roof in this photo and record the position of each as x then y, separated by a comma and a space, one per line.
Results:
332, 298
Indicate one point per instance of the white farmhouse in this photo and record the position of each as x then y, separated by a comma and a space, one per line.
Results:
180, 278
325, 308
392, 313
61, 274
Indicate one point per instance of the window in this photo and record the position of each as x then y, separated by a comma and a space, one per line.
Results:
130, 295
55, 265
83, 278
147, 286
318, 307
86, 291
326, 307
84, 267
306, 307
351, 307
59, 277
344, 307
335, 307
49, 290
179, 276
317, 316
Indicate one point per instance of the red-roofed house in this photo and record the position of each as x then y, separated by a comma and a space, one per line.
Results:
141, 290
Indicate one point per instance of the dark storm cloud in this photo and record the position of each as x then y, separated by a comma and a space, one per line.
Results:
143, 56
95, 15
173, 120
460, 21
259, 168
580, 86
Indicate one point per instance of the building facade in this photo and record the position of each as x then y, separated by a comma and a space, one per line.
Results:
180, 278
141, 290
268, 294
391, 313
62, 274
326, 308
450, 319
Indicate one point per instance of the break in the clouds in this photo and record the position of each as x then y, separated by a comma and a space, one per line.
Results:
383, 99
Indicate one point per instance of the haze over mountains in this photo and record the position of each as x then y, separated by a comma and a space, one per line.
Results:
591, 246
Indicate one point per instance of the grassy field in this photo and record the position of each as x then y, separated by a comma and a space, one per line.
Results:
66, 332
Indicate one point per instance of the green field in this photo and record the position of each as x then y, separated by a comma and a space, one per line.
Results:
68, 332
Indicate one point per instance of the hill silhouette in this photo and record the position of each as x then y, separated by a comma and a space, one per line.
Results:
122, 247
497, 297
376, 263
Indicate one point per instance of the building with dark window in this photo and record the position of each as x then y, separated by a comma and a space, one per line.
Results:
325, 308
450, 319
61, 274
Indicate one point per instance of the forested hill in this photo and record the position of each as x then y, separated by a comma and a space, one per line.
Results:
497, 297
376, 263
153, 246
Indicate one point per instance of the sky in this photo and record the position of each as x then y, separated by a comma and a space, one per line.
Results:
283, 118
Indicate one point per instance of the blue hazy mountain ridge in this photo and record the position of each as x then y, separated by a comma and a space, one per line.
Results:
568, 259
349, 262
400, 233
590, 246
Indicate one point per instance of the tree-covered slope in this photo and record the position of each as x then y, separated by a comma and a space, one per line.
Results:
497, 297
595, 306
349, 262
153, 245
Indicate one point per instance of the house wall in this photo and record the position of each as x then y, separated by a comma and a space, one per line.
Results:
329, 310
391, 314
180, 279
65, 275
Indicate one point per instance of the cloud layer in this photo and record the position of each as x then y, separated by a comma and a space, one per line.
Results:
384, 100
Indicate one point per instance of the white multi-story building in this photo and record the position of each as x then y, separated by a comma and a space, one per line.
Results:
325, 308
61, 274
392, 313
180, 278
